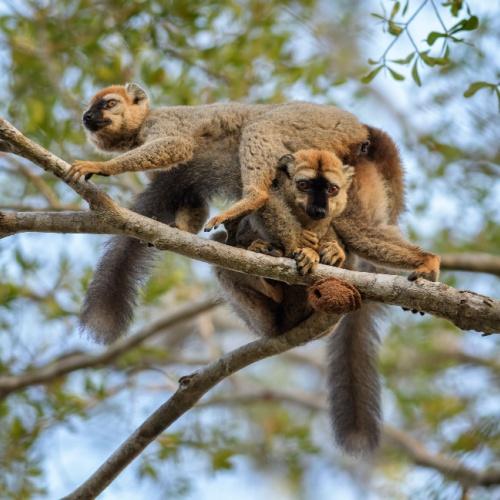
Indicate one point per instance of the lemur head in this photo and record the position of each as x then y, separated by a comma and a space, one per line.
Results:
316, 181
115, 115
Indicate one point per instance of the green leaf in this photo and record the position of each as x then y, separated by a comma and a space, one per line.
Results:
371, 75
471, 24
394, 29
474, 87
415, 75
395, 10
221, 459
433, 36
405, 60
395, 75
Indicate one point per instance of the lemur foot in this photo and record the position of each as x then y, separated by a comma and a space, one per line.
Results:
429, 270
334, 296
264, 247
307, 260
414, 311
332, 254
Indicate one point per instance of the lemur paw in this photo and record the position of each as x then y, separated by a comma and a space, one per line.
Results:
429, 270
264, 247
332, 254
307, 260
215, 222
308, 239
81, 168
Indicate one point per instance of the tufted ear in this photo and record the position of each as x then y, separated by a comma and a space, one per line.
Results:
286, 164
137, 93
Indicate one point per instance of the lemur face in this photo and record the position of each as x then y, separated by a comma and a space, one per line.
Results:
317, 182
116, 109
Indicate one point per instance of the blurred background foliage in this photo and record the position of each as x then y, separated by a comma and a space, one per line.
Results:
425, 71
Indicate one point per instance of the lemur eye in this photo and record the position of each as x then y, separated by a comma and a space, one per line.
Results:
111, 103
333, 190
303, 185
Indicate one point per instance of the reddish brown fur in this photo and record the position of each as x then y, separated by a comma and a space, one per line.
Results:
113, 89
384, 154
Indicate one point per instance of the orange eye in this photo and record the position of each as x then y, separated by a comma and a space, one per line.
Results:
111, 103
303, 185
333, 190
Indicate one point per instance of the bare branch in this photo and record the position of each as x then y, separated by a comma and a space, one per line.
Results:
191, 389
51, 371
411, 447
11, 140
48, 222
474, 262
447, 466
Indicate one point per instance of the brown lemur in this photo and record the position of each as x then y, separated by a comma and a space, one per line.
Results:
212, 149
271, 308
308, 192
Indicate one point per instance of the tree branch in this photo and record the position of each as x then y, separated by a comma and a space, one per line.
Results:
474, 262
411, 447
51, 371
191, 389
465, 309
54, 222
13, 141
447, 466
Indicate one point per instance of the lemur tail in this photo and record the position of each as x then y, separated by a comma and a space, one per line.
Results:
353, 381
109, 303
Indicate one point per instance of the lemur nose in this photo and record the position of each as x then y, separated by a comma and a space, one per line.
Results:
317, 213
87, 117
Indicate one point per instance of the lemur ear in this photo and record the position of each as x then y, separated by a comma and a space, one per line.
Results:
286, 163
137, 93
364, 147
348, 173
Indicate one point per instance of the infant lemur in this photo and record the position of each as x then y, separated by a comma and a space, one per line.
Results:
308, 192
229, 149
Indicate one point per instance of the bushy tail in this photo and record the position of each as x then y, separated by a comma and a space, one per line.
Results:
109, 303
353, 381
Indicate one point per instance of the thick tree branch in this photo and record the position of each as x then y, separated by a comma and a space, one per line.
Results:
465, 309
54, 222
51, 371
191, 389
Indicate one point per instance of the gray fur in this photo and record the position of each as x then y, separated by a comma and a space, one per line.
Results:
354, 382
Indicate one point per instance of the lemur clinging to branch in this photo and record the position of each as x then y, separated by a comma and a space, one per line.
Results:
308, 192
311, 192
